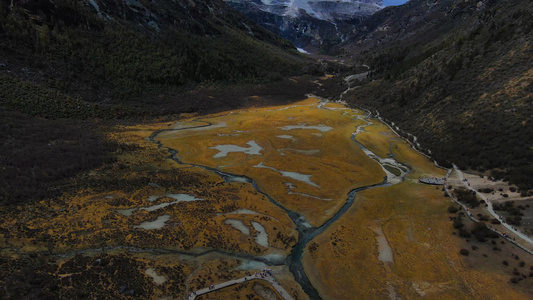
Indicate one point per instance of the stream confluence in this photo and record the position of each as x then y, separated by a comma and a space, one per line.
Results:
306, 232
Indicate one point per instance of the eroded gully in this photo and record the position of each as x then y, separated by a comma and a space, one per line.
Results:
306, 232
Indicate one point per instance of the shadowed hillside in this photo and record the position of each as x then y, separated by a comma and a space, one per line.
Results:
69, 67
122, 50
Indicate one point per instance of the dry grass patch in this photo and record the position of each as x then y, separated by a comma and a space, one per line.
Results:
426, 255
377, 138
324, 152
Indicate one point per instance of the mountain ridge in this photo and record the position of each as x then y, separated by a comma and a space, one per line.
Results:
310, 24
128, 49
465, 80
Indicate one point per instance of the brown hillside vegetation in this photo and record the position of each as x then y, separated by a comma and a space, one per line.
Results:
459, 76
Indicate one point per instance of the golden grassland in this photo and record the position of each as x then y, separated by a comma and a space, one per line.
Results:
376, 137
92, 221
87, 218
426, 254
205, 270
381, 140
344, 262
173, 270
335, 163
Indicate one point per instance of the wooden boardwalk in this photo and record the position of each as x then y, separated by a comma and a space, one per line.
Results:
432, 180
271, 280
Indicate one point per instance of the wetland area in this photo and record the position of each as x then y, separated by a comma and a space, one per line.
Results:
324, 196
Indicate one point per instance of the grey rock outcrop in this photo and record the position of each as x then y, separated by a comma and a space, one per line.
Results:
311, 24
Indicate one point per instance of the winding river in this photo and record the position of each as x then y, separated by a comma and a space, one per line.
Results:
306, 232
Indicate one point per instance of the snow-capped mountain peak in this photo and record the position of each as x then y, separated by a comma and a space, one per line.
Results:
329, 10
306, 22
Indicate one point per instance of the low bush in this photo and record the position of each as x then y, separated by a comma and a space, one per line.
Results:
452, 209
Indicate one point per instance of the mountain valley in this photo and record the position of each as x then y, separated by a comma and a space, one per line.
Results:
266, 149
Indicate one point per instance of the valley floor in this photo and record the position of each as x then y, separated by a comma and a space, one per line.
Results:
297, 189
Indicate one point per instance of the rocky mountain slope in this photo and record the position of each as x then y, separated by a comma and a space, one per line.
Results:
459, 76
311, 24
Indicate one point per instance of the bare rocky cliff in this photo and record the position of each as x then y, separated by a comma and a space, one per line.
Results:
310, 24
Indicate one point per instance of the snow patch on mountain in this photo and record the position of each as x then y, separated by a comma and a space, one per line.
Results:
328, 10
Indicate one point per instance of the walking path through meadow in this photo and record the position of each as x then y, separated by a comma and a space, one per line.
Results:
258, 276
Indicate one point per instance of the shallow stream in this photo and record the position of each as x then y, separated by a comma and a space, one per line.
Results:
306, 232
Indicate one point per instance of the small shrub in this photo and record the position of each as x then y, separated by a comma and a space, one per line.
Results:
517, 220
452, 209
505, 263
482, 232
464, 252
522, 264
467, 197
458, 223
464, 233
